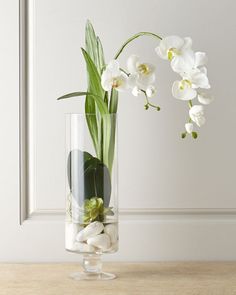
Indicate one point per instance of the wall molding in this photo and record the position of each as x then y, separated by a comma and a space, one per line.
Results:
148, 213
28, 209
23, 109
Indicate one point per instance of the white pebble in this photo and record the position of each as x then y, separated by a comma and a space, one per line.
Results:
82, 247
112, 231
89, 231
102, 242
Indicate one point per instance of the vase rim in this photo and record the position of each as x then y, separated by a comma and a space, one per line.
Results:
89, 114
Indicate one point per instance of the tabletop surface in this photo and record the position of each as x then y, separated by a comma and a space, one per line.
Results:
190, 278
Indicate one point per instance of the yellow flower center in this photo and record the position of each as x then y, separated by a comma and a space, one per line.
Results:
185, 84
172, 52
116, 83
143, 69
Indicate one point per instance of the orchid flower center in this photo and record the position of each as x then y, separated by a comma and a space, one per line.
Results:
185, 84
172, 52
116, 83
143, 69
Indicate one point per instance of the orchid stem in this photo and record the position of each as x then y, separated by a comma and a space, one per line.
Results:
133, 38
148, 102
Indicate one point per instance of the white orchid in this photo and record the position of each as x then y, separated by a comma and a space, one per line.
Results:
186, 88
196, 114
183, 90
178, 51
141, 75
197, 78
113, 77
194, 64
189, 127
200, 59
151, 91
136, 91
205, 98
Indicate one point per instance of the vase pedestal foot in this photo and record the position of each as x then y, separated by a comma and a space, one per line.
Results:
92, 265
84, 276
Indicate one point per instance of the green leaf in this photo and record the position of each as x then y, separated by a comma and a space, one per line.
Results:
100, 56
97, 181
104, 127
91, 42
113, 101
74, 94
96, 63
113, 110
106, 98
88, 177
98, 100
106, 138
90, 106
94, 77
94, 122
75, 167
94, 47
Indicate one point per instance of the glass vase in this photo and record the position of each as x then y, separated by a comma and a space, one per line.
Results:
91, 226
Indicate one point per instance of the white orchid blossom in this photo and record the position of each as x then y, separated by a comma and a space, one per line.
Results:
151, 91
197, 73
200, 59
186, 88
183, 90
113, 77
136, 91
197, 78
178, 51
141, 74
189, 127
205, 98
196, 114
194, 64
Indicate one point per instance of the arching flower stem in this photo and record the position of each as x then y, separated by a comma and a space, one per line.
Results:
133, 38
190, 103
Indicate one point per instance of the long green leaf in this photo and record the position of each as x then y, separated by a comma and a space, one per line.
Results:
94, 47
90, 108
105, 124
113, 110
97, 99
94, 77
94, 57
100, 56
113, 102
94, 122
91, 42
73, 94
95, 52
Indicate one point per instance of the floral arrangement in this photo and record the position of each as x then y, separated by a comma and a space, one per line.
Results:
105, 82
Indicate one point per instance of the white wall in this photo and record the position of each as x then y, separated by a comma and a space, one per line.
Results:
177, 197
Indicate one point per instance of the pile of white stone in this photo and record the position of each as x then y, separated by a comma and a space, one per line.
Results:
94, 237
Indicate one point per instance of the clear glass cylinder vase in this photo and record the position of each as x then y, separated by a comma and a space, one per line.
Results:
91, 226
